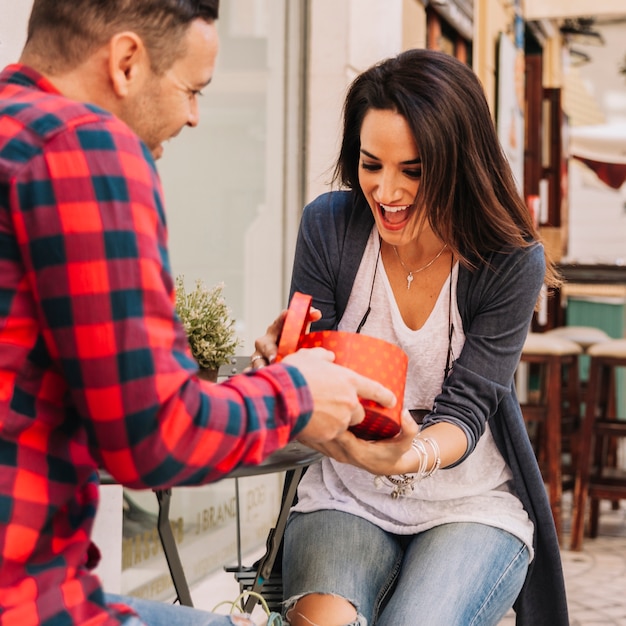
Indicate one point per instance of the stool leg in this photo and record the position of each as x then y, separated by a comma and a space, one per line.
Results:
553, 440
604, 450
573, 388
581, 484
594, 517
611, 412
571, 421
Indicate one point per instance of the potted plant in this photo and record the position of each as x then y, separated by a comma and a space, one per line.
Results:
209, 326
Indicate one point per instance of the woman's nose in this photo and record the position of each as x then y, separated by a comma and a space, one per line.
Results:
389, 189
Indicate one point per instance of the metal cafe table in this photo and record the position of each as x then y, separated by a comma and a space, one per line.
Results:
292, 459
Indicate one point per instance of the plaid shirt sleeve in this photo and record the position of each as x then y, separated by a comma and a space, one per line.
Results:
90, 224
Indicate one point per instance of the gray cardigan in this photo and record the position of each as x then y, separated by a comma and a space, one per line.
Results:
496, 303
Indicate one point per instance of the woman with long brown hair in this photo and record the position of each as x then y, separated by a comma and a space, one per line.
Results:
428, 245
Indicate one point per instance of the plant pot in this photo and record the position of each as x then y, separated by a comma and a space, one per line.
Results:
208, 374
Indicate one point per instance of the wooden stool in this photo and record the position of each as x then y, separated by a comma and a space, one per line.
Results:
555, 360
584, 336
597, 476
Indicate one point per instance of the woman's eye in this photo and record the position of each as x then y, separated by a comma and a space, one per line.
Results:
417, 173
370, 167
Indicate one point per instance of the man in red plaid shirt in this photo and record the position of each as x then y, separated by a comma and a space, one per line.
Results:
95, 369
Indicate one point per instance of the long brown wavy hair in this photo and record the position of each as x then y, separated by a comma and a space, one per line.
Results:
467, 191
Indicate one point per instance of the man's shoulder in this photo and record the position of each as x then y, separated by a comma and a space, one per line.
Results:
46, 114
34, 116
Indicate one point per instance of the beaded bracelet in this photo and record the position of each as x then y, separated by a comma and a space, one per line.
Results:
404, 484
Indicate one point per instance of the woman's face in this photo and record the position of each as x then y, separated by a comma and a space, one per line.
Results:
390, 169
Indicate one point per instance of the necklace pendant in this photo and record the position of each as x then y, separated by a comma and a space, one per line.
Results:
409, 280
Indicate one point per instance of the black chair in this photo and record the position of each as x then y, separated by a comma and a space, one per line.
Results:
263, 577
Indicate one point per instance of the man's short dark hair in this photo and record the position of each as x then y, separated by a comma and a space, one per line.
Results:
65, 32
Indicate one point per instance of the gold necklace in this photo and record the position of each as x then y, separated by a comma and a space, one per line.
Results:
409, 276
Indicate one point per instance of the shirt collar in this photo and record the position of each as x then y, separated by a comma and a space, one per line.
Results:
20, 74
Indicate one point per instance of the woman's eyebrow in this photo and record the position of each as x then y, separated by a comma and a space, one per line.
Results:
416, 161
369, 154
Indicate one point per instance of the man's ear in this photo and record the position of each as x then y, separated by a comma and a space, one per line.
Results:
128, 60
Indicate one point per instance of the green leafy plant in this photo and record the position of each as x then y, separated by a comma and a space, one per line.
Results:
208, 323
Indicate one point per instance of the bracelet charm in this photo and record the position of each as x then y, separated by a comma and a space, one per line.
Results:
404, 484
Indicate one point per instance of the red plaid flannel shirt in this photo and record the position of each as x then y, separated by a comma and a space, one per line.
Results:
95, 369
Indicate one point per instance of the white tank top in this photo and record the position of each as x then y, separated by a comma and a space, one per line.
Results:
477, 490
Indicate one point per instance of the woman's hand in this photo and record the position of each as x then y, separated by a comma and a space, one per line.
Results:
386, 456
266, 347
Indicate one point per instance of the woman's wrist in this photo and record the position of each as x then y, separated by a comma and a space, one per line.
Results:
429, 461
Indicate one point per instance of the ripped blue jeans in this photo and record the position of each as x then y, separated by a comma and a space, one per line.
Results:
458, 574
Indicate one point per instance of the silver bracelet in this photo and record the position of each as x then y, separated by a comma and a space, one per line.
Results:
403, 484
435, 446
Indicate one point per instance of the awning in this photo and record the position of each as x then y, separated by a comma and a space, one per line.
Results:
602, 148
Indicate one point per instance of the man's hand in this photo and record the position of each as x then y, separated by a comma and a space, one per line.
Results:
383, 457
336, 391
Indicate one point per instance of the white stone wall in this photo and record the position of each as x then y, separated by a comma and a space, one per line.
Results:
13, 23
346, 37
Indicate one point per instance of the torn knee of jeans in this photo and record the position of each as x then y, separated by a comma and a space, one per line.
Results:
290, 603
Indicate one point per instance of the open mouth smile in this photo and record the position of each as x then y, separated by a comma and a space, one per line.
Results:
395, 216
